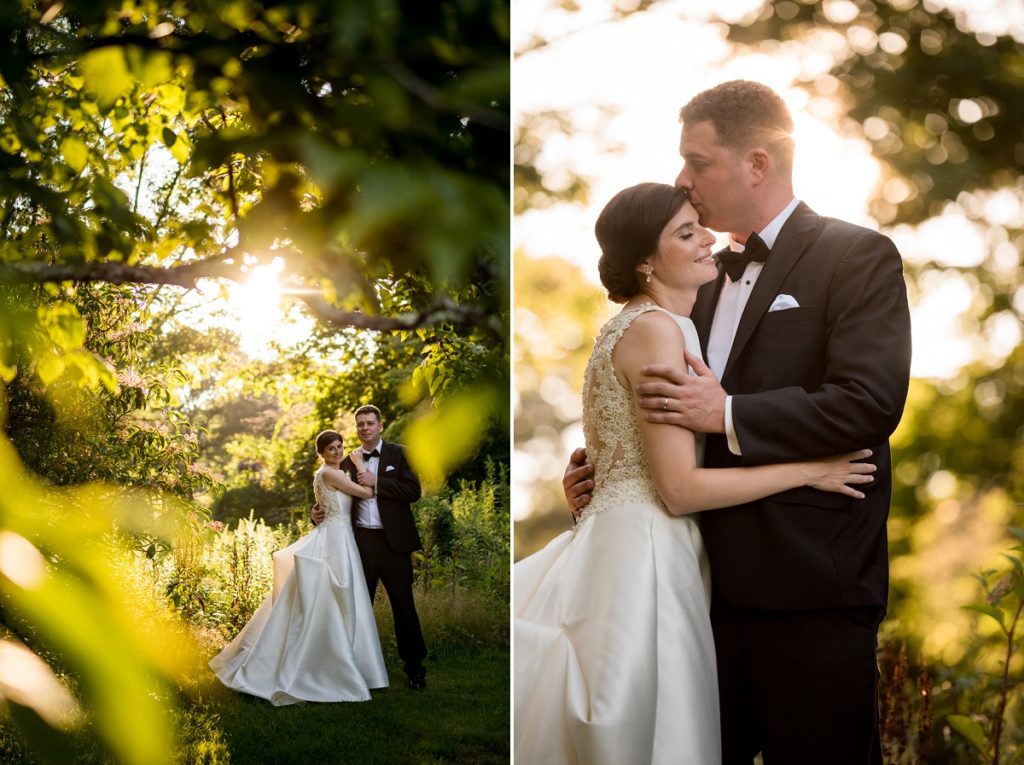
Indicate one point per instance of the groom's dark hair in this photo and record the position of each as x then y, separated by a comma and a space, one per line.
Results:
628, 229
745, 114
368, 409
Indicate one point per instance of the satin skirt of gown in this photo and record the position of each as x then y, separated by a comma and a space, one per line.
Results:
314, 638
614, 658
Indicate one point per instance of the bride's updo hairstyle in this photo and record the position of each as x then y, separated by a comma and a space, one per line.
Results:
628, 229
325, 439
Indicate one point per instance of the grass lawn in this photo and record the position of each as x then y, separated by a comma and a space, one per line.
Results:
462, 717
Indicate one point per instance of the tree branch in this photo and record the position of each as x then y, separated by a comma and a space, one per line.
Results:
114, 272
438, 99
442, 310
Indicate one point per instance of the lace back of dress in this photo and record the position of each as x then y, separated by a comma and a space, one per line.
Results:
333, 502
610, 427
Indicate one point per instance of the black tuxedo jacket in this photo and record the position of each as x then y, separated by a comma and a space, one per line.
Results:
827, 378
397, 488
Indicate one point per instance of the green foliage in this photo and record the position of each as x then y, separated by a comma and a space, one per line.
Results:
60, 596
558, 315
938, 101
465, 536
986, 700
119, 423
378, 168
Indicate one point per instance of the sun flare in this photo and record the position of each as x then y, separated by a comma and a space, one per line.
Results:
256, 307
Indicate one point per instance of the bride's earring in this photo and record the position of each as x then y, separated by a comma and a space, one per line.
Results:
649, 275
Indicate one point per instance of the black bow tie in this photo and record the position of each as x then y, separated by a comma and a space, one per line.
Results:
755, 251
367, 455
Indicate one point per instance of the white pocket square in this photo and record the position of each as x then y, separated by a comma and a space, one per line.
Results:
783, 302
389, 467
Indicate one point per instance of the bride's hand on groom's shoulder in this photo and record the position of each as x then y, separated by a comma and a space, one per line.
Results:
578, 482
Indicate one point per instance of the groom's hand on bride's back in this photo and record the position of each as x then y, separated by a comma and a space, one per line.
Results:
317, 514
578, 482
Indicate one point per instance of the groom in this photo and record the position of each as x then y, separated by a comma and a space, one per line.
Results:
808, 330
386, 534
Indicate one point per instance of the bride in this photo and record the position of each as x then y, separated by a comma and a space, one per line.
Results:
314, 638
614, 657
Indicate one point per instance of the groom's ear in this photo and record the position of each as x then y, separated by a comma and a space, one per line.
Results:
760, 163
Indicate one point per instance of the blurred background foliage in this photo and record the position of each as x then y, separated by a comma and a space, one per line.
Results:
934, 90
224, 225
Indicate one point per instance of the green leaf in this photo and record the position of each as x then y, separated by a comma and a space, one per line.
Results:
236, 15
970, 729
7, 373
156, 68
448, 436
106, 75
75, 153
49, 368
182, 149
990, 611
169, 137
1017, 565
172, 98
64, 325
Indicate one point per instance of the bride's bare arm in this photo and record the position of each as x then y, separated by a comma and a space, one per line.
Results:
340, 481
653, 338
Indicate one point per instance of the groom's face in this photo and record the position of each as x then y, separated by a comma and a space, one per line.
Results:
368, 427
716, 178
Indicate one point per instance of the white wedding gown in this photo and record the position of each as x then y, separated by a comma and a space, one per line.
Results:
314, 638
614, 657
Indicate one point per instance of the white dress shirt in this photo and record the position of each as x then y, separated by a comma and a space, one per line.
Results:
731, 302
367, 512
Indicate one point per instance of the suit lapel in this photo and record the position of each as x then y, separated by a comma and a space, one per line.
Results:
793, 241
385, 456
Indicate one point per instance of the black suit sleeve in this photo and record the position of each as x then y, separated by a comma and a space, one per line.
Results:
400, 484
866, 367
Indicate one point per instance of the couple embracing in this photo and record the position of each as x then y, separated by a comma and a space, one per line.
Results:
720, 594
314, 638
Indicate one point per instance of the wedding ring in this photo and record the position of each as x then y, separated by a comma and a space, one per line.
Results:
664, 406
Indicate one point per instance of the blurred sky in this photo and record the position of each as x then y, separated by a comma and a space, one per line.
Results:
646, 67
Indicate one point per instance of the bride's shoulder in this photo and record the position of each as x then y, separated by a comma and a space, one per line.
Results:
654, 325
651, 337
330, 475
